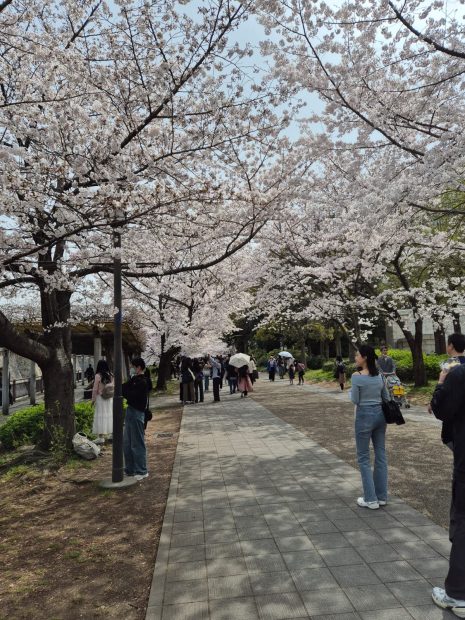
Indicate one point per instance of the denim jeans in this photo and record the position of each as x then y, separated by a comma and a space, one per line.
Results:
135, 455
371, 425
232, 384
206, 378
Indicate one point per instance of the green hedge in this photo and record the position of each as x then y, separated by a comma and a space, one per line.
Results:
404, 364
25, 426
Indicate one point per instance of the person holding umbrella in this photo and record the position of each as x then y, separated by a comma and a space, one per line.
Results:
244, 385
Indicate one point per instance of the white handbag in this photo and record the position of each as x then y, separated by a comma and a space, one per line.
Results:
85, 447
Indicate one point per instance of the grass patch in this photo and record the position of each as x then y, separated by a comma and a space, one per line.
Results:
172, 388
17, 471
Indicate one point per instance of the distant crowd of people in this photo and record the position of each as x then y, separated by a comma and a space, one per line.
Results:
282, 365
195, 375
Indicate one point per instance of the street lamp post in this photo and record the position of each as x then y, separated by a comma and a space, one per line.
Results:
117, 470
117, 474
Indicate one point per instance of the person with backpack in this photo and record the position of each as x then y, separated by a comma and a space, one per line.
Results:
102, 398
340, 371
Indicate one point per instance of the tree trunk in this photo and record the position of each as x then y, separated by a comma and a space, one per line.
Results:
456, 323
58, 371
415, 342
164, 367
59, 401
439, 340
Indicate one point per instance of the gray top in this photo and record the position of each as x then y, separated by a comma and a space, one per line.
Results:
368, 390
386, 364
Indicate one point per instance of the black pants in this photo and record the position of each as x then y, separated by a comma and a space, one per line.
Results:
198, 387
271, 375
216, 388
455, 580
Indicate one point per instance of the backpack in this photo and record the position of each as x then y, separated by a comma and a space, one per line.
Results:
108, 391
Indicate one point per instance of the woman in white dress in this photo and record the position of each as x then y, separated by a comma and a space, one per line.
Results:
102, 397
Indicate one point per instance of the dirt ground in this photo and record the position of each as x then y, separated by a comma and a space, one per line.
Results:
420, 466
71, 550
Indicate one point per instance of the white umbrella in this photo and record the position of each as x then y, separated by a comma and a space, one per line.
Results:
239, 359
285, 354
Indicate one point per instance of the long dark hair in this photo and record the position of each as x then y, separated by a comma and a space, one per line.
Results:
369, 354
104, 371
186, 364
243, 371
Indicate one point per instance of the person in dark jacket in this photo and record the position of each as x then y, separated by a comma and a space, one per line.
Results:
136, 392
455, 349
197, 369
448, 405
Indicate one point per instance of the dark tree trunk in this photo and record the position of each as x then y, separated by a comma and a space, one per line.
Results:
59, 400
439, 340
58, 372
164, 367
456, 322
415, 342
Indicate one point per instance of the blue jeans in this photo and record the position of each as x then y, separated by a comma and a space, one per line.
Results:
232, 385
135, 455
206, 379
370, 424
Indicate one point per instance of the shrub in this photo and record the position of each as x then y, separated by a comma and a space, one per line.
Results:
26, 425
315, 362
404, 364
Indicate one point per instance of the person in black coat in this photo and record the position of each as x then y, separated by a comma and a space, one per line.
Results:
448, 405
136, 392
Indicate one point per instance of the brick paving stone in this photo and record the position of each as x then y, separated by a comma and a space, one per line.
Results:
313, 579
281, 606
354, 575
261, 524
264, 583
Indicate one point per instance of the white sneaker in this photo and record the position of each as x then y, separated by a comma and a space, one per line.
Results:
141, 476
372, 505
382, 502
441, 599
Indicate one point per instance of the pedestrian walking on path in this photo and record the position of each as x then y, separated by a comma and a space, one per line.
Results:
291, 374
300, 367
244, 384
448, 405
271, 367
340, 371
367, 393
216, 377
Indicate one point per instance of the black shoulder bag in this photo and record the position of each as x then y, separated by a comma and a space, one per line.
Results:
391, 410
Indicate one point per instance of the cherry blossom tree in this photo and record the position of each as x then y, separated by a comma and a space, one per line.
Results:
142, 120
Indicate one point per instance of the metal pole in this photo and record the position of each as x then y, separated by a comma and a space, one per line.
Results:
6, 383
117, 471
32, 383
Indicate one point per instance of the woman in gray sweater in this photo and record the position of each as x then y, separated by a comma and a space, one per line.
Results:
368, 392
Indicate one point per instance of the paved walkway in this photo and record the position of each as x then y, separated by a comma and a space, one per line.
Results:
261, 524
